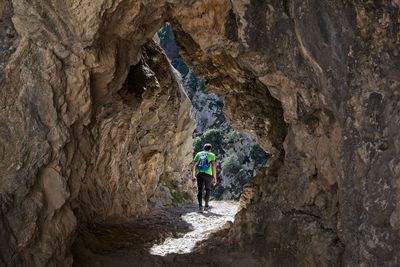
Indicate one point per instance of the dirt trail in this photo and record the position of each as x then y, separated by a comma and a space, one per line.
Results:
167, 237
202, 223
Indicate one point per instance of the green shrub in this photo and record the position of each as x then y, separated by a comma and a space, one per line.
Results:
215, 138
212, 136
231, 165
231, 137
198, 143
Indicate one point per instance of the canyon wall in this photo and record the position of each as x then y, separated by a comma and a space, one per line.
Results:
330, 194
90, 126
315, 82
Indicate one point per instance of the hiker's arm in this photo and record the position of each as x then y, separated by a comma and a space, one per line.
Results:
194, 171
214, 171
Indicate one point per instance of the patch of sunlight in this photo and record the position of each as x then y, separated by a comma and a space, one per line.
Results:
203, 224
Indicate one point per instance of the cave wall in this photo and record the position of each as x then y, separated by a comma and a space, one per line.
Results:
137, 136
89, 125
330, 194
316, 82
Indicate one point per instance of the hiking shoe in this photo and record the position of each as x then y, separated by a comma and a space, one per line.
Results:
207, 208
201, 209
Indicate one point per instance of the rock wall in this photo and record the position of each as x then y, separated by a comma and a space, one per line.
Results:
90, 120
316, 82
330, 194
141, 133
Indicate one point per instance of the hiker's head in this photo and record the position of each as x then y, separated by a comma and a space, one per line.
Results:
207, 147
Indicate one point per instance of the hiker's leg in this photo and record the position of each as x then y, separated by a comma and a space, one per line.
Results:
200, 184
207, 181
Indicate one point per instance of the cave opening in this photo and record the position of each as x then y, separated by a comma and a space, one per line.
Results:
171, 196
92, 124
119, 142
239, 155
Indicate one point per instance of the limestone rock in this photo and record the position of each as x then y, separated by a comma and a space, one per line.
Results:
316, 82
140, 134
328, 197
75, 146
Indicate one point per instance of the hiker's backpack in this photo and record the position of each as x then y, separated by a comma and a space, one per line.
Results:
202, 163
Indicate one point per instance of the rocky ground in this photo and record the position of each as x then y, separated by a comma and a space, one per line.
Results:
202, 224
166, 237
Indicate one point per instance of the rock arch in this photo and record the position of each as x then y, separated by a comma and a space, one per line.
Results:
315, 82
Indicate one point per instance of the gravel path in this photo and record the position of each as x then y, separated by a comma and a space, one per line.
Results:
173, 237
203, 224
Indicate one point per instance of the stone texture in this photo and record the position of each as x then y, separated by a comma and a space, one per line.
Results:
328, 197
9, 38
78, 143
139, 134
316, 82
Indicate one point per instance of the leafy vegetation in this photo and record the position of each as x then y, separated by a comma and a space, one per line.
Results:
231, 165
212, 136
231, 137
237, 154
237, 157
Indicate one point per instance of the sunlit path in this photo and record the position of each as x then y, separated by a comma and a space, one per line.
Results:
203, 224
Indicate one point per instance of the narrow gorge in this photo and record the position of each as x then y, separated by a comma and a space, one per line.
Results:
95, 128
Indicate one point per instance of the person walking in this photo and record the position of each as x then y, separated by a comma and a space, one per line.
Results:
204, 170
